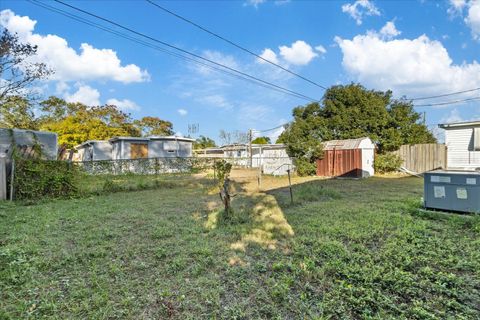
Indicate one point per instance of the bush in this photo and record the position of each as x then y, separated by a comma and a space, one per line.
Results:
388, 162
35, 179
305, 168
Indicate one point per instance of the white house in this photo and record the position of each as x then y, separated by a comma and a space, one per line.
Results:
463, 145
272, 158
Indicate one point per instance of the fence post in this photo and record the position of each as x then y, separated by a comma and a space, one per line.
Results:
260, 170
3, 178
290, 186
214, 170
12, 179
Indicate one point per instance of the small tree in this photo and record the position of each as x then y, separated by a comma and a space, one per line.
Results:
262, 140
204, 142
223, 169
16, 71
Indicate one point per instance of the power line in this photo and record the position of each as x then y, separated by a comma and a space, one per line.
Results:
155, 47
233, 43
238, 74
445, 95
447, 102
187, 52
274, 128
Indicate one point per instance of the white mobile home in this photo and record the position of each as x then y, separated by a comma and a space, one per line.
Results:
463, 145
151, 147
93, 150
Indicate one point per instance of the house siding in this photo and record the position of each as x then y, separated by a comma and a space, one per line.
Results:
102, 150
461, 154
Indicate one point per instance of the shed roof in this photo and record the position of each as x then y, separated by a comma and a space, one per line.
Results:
347, 144
452, 125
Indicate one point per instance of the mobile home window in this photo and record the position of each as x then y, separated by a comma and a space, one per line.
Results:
170, 146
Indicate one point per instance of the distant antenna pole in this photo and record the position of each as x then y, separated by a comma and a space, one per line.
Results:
193, 129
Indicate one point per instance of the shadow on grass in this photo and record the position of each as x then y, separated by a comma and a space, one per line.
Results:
256, 217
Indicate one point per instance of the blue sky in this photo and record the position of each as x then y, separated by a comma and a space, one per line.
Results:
415, 48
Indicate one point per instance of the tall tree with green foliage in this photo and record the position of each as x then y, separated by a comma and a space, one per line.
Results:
76, 123
203, 142
154, 126
262, 140
348, 112
17, 112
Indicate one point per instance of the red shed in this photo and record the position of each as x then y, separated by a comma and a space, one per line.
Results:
347, 158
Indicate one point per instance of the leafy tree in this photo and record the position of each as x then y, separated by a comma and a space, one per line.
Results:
204, 142
16, 70
17, 112
76, 123
154, 126
262, 140
348, 112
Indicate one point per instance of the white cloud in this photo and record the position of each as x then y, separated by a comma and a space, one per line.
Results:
299, 53
254, 3
124, 104
389, 30
321, 49
89, 64
456, 7
182, 112
408, 66
218, 57
61, 87
452, 116
359, 9
269, 55
86, 95
473, 18
215, 100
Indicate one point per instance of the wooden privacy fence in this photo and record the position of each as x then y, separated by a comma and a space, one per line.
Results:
423, 157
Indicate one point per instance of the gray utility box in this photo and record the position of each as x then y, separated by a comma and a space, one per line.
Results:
452, 190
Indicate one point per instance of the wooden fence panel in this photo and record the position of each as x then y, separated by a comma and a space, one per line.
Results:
423, 157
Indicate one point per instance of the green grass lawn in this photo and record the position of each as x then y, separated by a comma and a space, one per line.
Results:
344, 249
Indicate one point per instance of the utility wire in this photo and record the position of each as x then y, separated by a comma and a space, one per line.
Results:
233, 43
447, 102
274, 128
155, 47
445, 95
185, 51
236, 75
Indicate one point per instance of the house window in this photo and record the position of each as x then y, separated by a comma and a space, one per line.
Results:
239, 153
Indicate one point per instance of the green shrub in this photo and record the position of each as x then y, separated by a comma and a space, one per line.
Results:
388, 162
36, 178
305, 167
